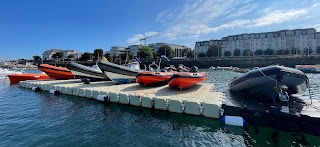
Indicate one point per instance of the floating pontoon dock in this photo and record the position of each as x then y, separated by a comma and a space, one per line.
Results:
197, 100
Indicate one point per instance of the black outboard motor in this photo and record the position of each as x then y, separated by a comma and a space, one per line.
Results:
194, 69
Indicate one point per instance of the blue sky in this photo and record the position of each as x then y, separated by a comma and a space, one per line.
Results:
29, 27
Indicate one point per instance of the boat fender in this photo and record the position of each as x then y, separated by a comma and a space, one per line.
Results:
102, 98
152, 103
201, 109
140, 99
37, 89
128, 98
183, 106
221, 112
233, 120
52, 91
167, 102
57, 92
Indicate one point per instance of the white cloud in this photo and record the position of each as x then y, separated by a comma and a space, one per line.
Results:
136, 38
317, 27
315, 5
198, 18
277, 17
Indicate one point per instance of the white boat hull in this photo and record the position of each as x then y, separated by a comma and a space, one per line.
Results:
3, 74
120, 78
85, 75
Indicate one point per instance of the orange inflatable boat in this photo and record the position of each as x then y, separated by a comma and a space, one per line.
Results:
148, 78
183, 80
59, 73
16, 78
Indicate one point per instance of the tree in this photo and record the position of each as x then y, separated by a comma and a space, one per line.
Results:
236, 52
227, 53
37, 58
188, 53
214, 51
305, 51
155, 55
166, 50
280, 52
287, 52
258, 52
114, 57
269, 52
57, 55
318, 50
144, 52
109, 57
71, 56
202, 55
97, 53
86, 56
295, 51
247, 52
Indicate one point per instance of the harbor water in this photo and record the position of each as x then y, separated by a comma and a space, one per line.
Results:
42, 119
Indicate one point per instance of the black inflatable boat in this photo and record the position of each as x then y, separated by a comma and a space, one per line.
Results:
303, 113
94, 74
120, 74
267, 82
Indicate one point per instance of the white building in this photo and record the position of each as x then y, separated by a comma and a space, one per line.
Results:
117, 50
133, 49
67, 53
283, 39
178, 49
47, 55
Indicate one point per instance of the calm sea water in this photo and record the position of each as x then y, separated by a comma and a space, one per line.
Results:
41, 119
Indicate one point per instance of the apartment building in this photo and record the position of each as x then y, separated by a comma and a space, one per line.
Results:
283, 39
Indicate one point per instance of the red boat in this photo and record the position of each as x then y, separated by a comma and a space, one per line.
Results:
16, 78
59, 73
183, 80
148, 78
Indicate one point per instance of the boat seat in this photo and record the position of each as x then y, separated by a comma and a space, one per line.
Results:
194, 69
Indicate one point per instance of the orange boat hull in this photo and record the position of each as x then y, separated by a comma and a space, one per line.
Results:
16, 78
185, 80
58, 73
153, 78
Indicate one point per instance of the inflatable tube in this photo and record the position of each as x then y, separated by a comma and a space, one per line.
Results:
102, 98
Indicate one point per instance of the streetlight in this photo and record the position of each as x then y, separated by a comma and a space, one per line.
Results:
307, 48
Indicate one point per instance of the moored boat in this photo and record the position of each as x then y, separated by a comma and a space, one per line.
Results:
183, 80
58, 73
118, 73
223, 68
149, 78
93, 73
16, 78
241, 70
308, 68
5, 72
268, 81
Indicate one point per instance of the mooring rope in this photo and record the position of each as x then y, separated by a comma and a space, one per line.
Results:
4, 78
265, 75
